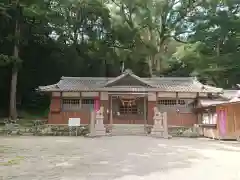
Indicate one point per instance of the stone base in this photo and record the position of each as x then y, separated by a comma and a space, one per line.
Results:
159, 132
128, 129
164, 137
100, 133
91, 134
100, 130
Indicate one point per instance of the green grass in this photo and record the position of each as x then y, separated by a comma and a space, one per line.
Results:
33, 115
4, 149
11, 162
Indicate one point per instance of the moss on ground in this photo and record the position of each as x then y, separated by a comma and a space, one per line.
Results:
11, 162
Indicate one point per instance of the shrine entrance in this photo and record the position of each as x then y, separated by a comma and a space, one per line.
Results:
128, 108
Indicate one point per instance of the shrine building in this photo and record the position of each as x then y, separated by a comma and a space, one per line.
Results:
128, 99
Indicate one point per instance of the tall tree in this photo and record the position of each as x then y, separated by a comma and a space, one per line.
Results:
13, 106
213, 48
16, 13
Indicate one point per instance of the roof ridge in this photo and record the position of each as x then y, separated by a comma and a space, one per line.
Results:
65, 77
77, 77
127, 73
144, 78
229, 90
179, 78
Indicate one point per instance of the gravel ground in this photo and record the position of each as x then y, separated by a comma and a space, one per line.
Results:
118, 158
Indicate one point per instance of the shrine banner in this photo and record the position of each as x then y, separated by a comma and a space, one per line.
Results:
222, 122
96, 104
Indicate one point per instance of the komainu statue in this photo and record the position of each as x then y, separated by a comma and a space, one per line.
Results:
99, 126
100, 112
160, 127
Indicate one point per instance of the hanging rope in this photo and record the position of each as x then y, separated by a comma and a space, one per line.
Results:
129, 101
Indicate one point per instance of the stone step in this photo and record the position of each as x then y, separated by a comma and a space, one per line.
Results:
125, 129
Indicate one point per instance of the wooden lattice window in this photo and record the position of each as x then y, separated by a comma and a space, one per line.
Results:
172, 102
125, 109
167, 102
71, 104
77, 104
128, 106
181, 102
87, 103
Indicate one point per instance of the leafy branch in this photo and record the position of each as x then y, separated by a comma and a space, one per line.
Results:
9, 60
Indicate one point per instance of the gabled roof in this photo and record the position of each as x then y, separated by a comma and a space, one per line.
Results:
128, 72
167, 84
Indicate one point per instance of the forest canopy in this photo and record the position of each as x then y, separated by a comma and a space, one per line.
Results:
42, 40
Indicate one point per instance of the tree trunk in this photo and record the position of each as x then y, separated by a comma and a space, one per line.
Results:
13, 91
218, 48
159, 65
150, 58
161, 51
150, 68
13, 104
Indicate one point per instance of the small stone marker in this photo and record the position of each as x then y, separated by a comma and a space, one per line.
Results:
92, 125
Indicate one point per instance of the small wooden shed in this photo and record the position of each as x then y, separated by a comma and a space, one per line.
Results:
228, 120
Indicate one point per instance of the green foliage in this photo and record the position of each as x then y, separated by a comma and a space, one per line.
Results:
9, 60
214, 49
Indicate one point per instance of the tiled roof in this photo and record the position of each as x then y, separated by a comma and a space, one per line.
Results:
180, 84
235, 99
169, 84
52, 87
229, 94
209, 102
128, 73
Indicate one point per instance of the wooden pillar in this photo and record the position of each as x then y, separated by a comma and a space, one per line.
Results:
92, 123
151, 103
209, 116
145, 110
234, 119
111, 112
178, 110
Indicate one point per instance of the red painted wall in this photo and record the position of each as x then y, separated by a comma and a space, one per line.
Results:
181, 119
151, 105
56, 116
